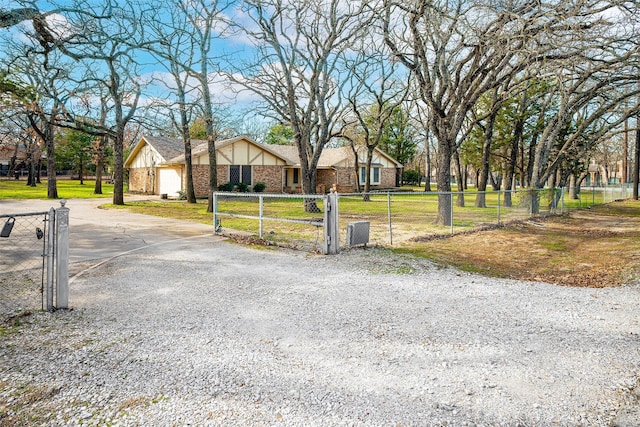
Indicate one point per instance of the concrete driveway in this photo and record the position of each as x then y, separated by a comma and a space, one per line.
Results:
99, 234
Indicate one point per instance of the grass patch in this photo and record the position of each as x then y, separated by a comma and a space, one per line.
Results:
554, 243
30, 404
596, 247
196, 212
67, 189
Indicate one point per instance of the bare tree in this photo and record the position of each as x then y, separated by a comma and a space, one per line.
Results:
298, 69
375, 92
205, 22
104, 40
176, 49
420, 121
46, 76
11, 17
459, 50
594, 98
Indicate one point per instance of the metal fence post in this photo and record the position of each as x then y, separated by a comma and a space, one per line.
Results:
331, 241
50, 252
215, 212
260, 220
499, 191
62, 256
451, 206
389, 217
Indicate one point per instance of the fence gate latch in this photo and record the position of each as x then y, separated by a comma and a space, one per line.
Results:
8, 226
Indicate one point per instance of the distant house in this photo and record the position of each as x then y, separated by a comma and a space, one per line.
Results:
16, 156
157, 166
336, 167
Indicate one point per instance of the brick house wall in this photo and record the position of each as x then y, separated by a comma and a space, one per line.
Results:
201, 178
346, 180
200, 175
388, 177
141, 181
270, 175
325, 180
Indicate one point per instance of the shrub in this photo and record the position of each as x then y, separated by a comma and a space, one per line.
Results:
225, 187
412, 177
259, 187
182, 195
242, 187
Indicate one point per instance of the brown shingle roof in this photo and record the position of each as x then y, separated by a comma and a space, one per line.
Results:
168, 148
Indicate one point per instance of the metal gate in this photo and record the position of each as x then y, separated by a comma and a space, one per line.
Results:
23, 244
33, 261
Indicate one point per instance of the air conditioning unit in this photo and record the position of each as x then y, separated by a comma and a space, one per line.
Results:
358, 233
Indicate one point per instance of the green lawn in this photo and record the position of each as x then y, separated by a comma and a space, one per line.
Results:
412, 213
67, 189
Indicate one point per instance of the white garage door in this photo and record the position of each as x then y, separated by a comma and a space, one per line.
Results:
169, 182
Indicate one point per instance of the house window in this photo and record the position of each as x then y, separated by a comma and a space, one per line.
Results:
240, 173
374, 175
246, 174
296, 176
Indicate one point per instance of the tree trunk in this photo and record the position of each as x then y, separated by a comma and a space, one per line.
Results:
81, 170
518, 132
636, 161
511, 167
97, 189
427, 183
465, 177
309, 181
186, 137
625, 153
52, 185
459, 181
190, 190
367, 178
443, 179
213, 170
31, 177
39, 170
481, 195
356, 166
496, 182
573, 190
531, 160
577, 184
118, 169
99, 164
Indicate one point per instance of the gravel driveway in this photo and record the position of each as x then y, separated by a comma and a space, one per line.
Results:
206, 332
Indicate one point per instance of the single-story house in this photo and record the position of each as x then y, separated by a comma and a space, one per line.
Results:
14, 154
157, 166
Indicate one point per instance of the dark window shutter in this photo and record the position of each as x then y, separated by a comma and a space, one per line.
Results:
246, 174
234, 174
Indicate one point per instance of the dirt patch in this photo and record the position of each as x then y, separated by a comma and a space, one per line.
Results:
597, 247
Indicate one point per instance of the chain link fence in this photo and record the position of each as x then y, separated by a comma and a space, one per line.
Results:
394, 217
397, 217
294, 221
22, 262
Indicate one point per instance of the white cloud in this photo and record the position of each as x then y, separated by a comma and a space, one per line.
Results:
222, 89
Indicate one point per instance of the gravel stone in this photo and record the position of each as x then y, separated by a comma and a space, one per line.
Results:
206, 332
